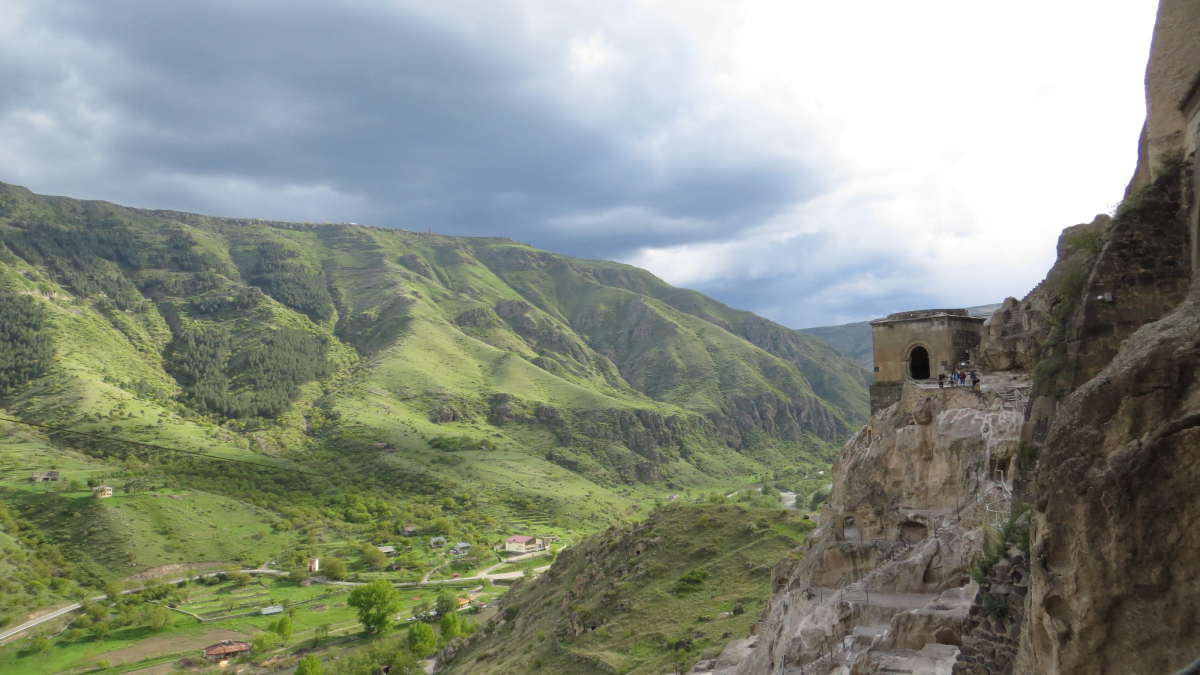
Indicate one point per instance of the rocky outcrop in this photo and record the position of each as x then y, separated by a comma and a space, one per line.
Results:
883, 582
996, 618
928, 455
1115, 576
1015, 336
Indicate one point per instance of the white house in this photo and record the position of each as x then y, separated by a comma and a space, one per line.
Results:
523, 544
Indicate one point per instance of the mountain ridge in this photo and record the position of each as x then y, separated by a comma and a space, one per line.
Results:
495, 386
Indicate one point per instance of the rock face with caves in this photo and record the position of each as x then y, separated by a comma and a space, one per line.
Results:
882, 585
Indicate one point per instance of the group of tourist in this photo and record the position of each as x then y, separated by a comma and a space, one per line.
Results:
958, 379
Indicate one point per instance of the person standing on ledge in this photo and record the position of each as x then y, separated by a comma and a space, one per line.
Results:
941, 380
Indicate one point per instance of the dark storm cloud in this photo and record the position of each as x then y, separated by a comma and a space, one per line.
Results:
376, 113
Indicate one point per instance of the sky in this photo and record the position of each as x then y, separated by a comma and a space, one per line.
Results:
815, 162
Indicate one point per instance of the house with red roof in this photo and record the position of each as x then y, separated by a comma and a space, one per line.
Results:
523, 544
227, 649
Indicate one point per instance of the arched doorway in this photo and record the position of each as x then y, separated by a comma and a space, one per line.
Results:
918, 363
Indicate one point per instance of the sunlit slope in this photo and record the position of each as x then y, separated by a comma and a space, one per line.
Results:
284, 339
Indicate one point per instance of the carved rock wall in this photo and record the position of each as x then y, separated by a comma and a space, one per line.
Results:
1116, 533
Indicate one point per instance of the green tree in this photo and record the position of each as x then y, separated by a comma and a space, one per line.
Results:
406, 663
157, 617
421, 640
310, 665
28, 351
333, 568
376, 602
239, 578
262, 642
450, 627
446, 602
374, 558
320, 633
40, 644
99, 630
283, 628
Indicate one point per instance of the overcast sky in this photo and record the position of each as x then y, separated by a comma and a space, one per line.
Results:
816, 162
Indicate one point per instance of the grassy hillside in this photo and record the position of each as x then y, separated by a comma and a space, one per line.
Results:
366, 379
641, 598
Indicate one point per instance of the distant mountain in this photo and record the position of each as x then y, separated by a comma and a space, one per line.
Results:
854, 339
398, 357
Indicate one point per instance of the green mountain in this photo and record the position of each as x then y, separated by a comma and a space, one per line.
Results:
375, 378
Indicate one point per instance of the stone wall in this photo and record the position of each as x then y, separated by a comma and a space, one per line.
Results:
950, 336
884, 394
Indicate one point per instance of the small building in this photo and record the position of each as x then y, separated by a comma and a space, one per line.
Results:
379, 445
387, 550
523, 544
227, 649
462, 548
919, 345
314, 564
408, 531
44, 476
273, 609
437, 542
102, 491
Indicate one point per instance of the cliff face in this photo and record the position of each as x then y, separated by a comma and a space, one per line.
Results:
883, 582
1116, 573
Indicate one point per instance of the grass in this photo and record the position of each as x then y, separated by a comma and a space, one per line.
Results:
606, 604
132, 532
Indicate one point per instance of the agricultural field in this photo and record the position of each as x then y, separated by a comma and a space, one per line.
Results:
140, 642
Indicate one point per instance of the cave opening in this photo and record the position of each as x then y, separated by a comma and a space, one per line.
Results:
918, 363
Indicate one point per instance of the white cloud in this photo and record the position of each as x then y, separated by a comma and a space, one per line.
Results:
965, 136
813, 161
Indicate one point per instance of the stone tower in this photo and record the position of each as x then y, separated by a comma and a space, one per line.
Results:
920, 344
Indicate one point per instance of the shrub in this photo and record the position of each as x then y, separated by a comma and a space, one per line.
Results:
690, 582
310, 665
334, 568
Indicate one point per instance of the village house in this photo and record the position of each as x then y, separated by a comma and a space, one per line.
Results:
462, 548
102, 491
44, 476
522, 544
227, 649
387, 550
437, 542
314, 564
408, 531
